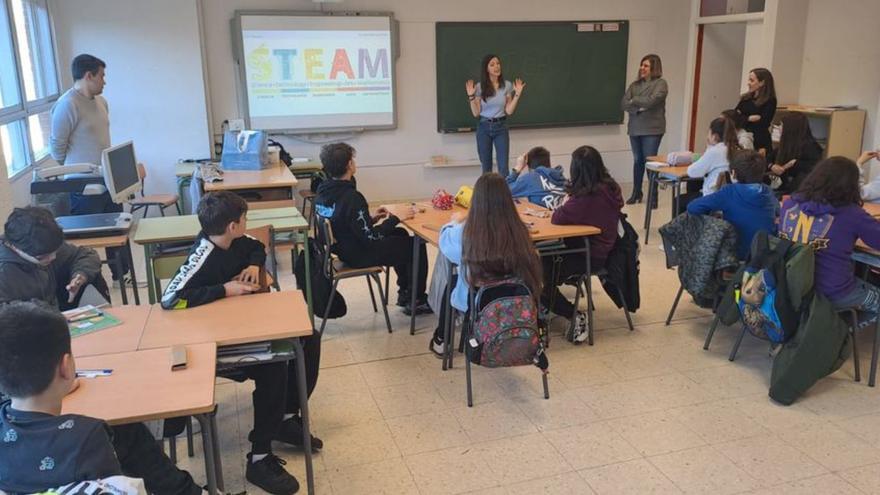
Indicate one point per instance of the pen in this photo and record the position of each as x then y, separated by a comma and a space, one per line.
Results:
93, 373
96, 314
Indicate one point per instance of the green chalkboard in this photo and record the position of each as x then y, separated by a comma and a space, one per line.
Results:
575, 71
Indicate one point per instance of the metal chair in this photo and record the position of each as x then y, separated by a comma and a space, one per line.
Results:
583, 290
851, 316
336, 271
144, 202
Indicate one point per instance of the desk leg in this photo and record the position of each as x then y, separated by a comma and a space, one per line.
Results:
676, 197
652, 186
119, 260
151, 286
304, 412
308, 278
208, 447
589, 284
448, 348
415, 280
134, 280
218, 464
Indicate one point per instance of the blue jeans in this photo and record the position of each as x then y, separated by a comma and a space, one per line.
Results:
642, 147
487, 134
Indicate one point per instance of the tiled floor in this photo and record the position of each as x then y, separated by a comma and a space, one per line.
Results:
647, 411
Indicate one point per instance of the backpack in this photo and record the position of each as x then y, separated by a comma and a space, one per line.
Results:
762, 293
321, 285
505, 331
283, 155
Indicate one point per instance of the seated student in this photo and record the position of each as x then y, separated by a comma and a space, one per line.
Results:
36, 263
224, 262
870, 190
594, 198
535, 179
360, 242
797, 154
40, 448
490, 243
747, 202
721, 143
826, 212
745, 138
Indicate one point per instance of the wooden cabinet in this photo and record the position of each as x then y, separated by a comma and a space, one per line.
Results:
838, 130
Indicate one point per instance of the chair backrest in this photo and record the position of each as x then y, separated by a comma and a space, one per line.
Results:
327, 240
165, 267
266, 235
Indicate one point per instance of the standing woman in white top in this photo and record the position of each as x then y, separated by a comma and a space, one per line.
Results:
492, 100
721, 144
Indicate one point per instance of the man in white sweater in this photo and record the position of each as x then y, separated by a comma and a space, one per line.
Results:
81, 132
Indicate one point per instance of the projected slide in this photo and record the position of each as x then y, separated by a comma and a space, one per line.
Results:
318, 78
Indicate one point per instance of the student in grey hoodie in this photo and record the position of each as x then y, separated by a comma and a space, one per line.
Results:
534, 178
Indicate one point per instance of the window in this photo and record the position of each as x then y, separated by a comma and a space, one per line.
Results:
28, 82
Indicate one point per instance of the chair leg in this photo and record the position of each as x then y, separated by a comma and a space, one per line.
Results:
736, 346
329, 305
546, 385
387, 282
372, 296
177, 206
146, 210
872, 376
711, 332
573, 319
625, 309
161, 210
384, 301
590, 322
172, 449
675, 305
853, 332
467, 368
189, 438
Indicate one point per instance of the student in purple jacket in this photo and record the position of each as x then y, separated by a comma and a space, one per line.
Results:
594, 198
826, 212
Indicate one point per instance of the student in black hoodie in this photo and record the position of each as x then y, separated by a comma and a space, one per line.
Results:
225, 262
360, 240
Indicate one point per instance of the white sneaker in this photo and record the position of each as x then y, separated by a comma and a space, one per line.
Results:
581, 328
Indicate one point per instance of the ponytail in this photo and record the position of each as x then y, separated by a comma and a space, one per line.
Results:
725, 129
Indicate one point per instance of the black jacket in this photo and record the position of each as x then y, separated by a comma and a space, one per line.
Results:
201, 277
622, 269
21, 280
349, 214
39, 451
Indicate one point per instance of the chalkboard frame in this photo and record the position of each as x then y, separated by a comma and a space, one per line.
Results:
623, 24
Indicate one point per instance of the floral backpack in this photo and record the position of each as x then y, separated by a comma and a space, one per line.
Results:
505, 331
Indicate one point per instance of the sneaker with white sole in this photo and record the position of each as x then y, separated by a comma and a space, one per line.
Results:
581, 328
436, 347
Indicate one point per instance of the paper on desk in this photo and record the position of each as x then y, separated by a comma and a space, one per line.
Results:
657, 164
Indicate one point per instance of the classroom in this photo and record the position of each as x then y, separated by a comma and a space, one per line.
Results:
610, 246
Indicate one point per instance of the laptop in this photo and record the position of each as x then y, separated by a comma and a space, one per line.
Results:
98, 224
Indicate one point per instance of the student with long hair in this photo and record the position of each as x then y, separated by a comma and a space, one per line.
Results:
758, 104
721, 144
747, 202
826, 212
594, 198
797, 154
745, 138
489, 243
645, 102
493, 99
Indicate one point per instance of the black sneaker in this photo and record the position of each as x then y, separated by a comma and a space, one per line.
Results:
269, 474
436, 347
422, 308
291, 433
403, 298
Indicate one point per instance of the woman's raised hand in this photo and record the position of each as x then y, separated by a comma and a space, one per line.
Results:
470, 87
519, 86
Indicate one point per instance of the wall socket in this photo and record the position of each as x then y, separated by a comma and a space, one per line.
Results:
236, 124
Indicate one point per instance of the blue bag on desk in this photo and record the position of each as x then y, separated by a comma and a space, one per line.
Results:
245, 150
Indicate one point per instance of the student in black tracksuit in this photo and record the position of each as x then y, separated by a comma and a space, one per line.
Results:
224, 262
360, 242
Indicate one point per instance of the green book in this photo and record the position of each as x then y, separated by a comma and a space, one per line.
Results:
88, 319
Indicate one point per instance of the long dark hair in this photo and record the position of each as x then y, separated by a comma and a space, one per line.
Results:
487, 89
656, 66
588, 172
796, 136
834, 181
765, 92
738, 119
725, 129
495, 241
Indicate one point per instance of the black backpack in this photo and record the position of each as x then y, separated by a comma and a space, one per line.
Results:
321, 285
285, 157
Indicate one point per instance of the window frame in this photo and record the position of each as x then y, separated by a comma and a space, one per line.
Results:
25, 109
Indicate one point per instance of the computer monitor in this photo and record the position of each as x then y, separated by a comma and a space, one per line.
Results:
120, 172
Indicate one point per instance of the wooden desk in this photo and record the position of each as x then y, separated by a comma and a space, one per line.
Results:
123, 256
121, 338
143, 388
272, 185
426, 225
149, 232
873, 209
232, 320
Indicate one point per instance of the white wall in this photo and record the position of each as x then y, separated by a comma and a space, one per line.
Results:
391, 163
154, 86
841, 64
721, 68
5, 192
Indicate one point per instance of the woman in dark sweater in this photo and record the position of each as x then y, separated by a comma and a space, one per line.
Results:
798, 153
758, 104
593, 199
